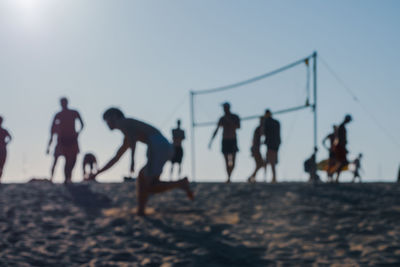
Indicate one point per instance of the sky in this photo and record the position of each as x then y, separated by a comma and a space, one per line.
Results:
146, 56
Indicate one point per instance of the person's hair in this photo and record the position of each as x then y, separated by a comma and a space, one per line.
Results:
1, 119
113, 112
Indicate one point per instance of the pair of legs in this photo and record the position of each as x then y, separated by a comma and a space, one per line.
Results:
172, 169
147, 185
356, 175
272, 159
230, 159
87, 175
259, 164
70, 160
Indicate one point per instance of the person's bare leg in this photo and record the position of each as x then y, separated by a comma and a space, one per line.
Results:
179, 169
141, 193
53, 167
171, 171
70, 161
339, 170
227, 162
273, 173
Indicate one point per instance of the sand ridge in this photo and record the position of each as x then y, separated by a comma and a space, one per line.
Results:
286, 224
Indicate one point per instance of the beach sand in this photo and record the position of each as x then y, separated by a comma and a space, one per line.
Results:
287, 224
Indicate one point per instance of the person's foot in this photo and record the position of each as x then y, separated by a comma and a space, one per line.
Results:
186, 187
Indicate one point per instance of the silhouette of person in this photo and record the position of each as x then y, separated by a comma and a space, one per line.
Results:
67, 138
89, 160
159, 151
255, 151
272, 133
230, 123
332, 138
178, 135
5, 138
357, 168
340, 148
310, 167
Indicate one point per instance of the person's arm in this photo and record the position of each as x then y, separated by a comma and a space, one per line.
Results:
238, 123
324, 142
78, 116
132, 169
53, 125
8, 137
214, 134
114, 159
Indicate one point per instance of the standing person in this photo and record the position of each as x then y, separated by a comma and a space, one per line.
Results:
272, 133
332, 138
255, 151
5, 138
340, 148
357, 168
159, 151
89, 160
230, 123
67, 137
178, 135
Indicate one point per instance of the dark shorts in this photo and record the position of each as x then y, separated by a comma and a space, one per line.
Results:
178, 154
229, 146
67, 146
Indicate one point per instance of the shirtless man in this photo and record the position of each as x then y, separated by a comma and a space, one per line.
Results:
159, 151
332, 138
340, 148
178, 135
89, 160
67, 138
230, 123
255, 151
5, 138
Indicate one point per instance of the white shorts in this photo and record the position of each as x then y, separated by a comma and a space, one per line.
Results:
159, 151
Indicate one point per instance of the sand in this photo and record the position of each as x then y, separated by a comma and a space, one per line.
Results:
288, 224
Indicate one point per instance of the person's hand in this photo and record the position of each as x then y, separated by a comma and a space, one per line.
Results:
210, 144
92, 176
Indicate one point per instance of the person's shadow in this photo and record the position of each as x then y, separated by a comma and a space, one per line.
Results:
219, 250
92, 203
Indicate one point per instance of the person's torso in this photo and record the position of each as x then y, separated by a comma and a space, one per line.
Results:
229, 123
3, 136
342, 135
177, 136
272, 132
65, 123
135, 130
257, 137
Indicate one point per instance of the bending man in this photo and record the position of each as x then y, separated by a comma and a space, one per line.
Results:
159, 151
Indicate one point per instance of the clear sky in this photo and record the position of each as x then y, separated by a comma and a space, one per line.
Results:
145, 56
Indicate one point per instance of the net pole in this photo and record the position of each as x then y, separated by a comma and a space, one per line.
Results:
314, 174
193, 154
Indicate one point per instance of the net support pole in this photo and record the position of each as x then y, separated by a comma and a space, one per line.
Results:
314, 174
193, 154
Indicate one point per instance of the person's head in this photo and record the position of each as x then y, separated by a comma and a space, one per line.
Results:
360, 155
1, 120
111, 116
227, 107
64, 102
267, 113
347, 118
178, 122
